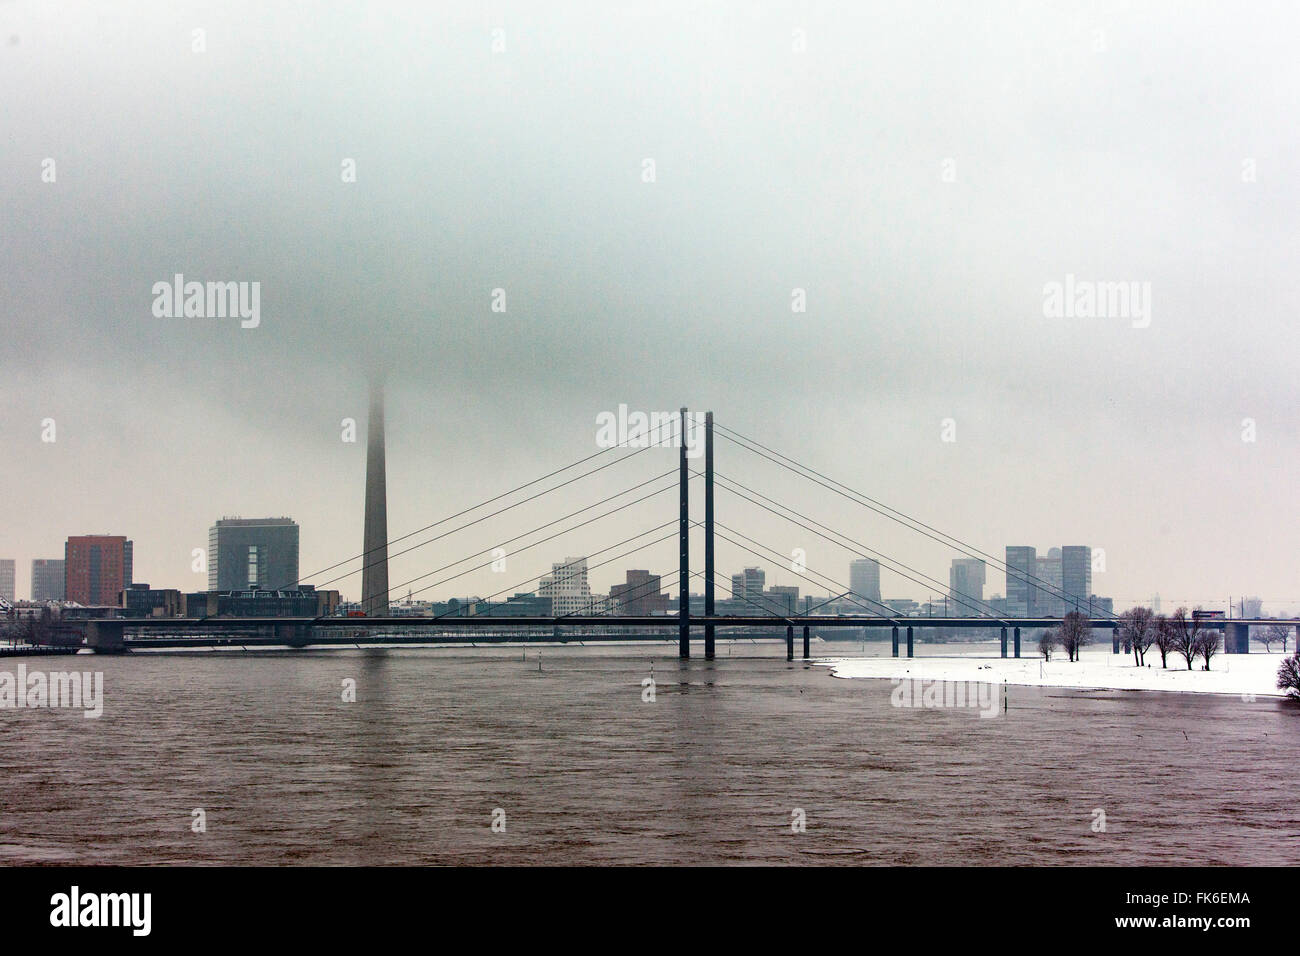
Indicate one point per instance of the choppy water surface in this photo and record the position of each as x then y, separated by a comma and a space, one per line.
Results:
588, 773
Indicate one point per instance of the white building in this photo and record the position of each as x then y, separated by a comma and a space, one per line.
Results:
568, 589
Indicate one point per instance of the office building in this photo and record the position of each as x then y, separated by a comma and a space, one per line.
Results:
781, 599
966, 586
1022, 567
97, 568
747, 588
302, 601
7, 579
47, 579
520, 604
567, 589
140, 600
864, 581
252, 553
1049, 602
641, 595
1076, 576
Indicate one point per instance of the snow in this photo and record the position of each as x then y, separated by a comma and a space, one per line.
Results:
1235, 674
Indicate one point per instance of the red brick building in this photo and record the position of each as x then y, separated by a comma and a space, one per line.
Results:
96, 568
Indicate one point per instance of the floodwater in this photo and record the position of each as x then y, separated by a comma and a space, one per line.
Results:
575, 767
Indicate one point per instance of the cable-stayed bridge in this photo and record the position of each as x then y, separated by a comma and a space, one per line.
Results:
592, 622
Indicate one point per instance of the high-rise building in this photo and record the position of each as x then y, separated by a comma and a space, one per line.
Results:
747, 587
567, 589
97, 568
47, 579
1076, 576
864, 580
1048, 601
7, 579
966, 581
252, 553
1021, 570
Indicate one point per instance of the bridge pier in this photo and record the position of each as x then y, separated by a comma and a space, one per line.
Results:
895, 640
1004, 642
789, 642
106, 637
806, 655
1114, 640
1236, 638
1017, 640
909, 640
294, 635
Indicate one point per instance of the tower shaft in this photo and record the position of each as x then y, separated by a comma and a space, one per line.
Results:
374, 574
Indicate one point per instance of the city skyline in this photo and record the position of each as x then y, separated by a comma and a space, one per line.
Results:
261, 554
1050, 588
648, 435
922, 263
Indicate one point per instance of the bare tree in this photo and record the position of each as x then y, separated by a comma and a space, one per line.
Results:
1275, 632
1138, 631
1263, 635
1048, 642
1165, 631
1208, 643
1288, 677
1076, 633
1187, 634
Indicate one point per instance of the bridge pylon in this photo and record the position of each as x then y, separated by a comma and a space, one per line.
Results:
708, 534
684, 548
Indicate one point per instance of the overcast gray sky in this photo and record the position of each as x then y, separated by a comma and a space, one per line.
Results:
921, 170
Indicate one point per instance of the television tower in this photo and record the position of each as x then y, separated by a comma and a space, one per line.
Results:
374, 564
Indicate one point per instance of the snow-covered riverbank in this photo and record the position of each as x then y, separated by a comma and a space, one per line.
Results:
1230, 674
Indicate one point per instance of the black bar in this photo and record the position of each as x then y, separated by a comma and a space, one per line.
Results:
1004, 642
260, 897
789, 642
806, 655
895, 640
1017, 642
708, 533
684, 543
909, 640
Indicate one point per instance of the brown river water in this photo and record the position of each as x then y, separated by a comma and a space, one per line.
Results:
579, 769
